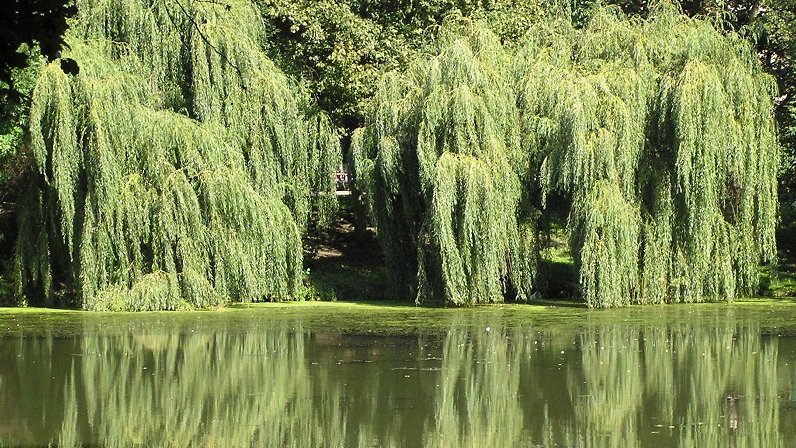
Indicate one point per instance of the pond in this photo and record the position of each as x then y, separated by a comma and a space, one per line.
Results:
359, 375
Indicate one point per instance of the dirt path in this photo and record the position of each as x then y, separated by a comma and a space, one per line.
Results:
343, 265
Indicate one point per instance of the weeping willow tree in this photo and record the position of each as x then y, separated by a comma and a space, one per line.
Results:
178, 168
440, 159
662, 134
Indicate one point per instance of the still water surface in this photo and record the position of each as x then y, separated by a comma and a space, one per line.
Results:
698, 376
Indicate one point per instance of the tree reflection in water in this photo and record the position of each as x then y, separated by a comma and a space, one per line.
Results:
600, 386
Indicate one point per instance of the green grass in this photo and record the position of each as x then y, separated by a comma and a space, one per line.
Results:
345, 282
342, 264
779, 281
557, 277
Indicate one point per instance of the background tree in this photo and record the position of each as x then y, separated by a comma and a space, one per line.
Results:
30, 31
176, 168
34, 23
341, 48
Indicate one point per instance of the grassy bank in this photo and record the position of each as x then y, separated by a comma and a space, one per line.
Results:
772, 316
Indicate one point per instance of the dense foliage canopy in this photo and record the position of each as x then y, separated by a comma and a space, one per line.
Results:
441, 156
661, 132
175, 165
177, 169
341, 48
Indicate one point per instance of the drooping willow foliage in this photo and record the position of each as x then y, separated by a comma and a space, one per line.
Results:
440, 158
177, 168
659, 131
662, 132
